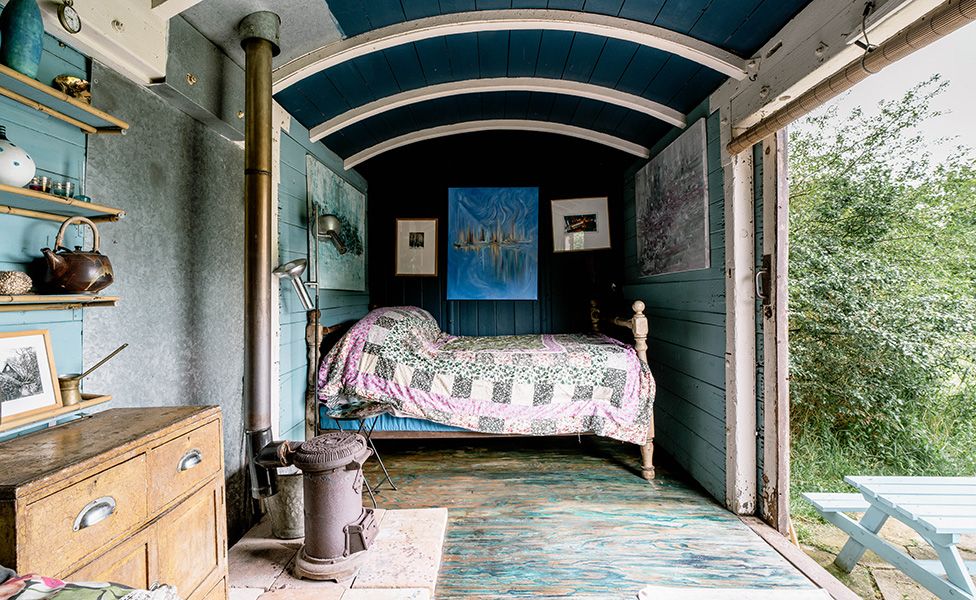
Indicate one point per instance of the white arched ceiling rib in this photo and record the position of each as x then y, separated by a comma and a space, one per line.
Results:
496, 125
500, 84
508, 20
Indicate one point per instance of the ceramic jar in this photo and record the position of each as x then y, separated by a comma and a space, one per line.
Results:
21, 36
16, 166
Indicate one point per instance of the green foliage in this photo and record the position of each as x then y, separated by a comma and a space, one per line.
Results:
882, 297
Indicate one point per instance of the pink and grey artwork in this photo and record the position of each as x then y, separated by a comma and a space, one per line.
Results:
671, 193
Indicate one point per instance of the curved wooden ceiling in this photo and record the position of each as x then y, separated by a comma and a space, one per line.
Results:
623, 70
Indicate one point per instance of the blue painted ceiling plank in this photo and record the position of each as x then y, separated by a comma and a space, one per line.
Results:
453, 6
604, 7
617, 55
721, 19
540, 106
492, 4
642, 69
764, 22
350, 16
493, 53
583, 55
435, 60
384, 12
405, 63
681, 15
566, 4
523, 53
375, 69
645, 11
517, 105
553, 52
418, 9
326, 98
529, 3
463, 50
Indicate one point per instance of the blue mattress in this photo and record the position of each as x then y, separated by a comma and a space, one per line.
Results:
387, 422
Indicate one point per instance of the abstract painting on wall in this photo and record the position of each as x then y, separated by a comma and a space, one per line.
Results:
671, 193
329, 194
493, 244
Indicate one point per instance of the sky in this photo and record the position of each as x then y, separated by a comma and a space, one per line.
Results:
954, 57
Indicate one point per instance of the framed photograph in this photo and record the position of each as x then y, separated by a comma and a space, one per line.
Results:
416, 247
493, 243
580, 224
28, 380
671, 193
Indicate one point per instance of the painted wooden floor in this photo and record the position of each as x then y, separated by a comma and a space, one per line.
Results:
552, 518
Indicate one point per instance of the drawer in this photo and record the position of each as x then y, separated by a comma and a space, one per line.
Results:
130, 563
218, 592
191, 542
83, 519
183, 463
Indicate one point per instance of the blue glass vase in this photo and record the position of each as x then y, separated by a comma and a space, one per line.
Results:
21, 36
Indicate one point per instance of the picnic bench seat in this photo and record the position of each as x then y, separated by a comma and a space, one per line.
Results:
939, 509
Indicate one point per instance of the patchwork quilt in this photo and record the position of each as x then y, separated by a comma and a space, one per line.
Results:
397, 359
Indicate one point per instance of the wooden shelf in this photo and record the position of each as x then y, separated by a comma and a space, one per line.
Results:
25, 202
36, 95
54, 302
87, 401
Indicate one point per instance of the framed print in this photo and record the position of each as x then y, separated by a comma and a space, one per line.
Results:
28, 380
580, 224
330, 194
671, 193
416, 247
493, 243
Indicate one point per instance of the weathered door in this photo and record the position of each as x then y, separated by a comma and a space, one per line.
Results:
772, 344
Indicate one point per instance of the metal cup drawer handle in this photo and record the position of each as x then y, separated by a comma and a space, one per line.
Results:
95, 512
192, 458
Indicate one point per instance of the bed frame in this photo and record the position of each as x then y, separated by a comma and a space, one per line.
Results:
319, 338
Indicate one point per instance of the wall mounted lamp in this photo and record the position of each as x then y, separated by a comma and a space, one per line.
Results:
293, 270
328, 227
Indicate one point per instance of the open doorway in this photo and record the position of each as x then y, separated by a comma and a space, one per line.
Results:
883, 293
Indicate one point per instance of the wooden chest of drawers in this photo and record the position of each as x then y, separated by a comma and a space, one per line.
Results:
130, 495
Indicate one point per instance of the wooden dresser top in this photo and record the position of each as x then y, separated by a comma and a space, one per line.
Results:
66, 449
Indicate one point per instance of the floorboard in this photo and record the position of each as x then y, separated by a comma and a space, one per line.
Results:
551, 518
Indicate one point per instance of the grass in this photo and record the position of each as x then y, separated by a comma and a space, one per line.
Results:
940, 440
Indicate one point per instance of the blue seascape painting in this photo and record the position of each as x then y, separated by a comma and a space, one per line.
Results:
493, 244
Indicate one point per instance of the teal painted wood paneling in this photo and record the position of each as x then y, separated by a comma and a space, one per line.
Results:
335, 306
58, 149
687, 333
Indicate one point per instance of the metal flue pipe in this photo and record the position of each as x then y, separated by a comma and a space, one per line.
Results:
259, 34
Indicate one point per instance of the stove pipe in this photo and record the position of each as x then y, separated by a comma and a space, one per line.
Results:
259, 34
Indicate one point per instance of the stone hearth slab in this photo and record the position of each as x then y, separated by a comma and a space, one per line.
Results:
402, 564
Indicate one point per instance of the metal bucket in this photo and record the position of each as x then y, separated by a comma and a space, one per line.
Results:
286, 509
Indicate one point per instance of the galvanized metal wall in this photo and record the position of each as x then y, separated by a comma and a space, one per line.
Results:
177, 257
687, 334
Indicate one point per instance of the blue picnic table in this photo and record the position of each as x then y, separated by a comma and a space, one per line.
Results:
939, 509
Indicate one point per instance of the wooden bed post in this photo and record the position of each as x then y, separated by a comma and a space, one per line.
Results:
639, 327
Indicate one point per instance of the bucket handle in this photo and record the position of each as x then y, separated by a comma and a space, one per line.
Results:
79, 220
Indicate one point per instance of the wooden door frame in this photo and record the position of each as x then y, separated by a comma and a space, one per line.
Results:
774, 490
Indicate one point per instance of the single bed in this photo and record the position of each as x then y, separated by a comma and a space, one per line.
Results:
397, 360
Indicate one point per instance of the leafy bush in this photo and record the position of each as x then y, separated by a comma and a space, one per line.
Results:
882, 297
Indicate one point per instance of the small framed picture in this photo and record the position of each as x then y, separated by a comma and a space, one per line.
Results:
580, 224
416, 247
28, 381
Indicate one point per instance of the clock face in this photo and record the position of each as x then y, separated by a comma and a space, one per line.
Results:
69, 18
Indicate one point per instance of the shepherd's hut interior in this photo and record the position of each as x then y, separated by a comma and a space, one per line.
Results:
407, 298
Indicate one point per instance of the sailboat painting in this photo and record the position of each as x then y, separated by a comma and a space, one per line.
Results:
493, 244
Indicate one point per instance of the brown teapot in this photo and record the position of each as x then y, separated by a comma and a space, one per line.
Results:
77, 271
